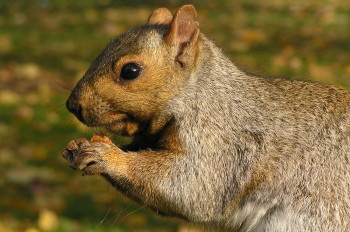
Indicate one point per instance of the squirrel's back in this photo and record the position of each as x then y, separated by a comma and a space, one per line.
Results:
274, 135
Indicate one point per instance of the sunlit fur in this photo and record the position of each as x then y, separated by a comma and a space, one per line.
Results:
215, 145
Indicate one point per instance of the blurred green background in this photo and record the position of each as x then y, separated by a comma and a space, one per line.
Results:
47, 45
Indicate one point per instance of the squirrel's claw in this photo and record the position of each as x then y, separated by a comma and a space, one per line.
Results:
86, 156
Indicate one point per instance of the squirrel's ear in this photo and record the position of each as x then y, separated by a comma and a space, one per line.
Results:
183, 28
182, 35
160, 16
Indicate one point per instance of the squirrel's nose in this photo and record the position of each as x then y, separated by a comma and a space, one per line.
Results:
75, 108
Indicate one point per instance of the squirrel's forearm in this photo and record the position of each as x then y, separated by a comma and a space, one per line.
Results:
171, 182
143, 175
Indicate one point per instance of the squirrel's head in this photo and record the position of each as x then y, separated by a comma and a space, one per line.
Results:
131, 81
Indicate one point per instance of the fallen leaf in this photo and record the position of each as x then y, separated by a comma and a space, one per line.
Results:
48, 220
5, 43
8, 97
28, 71
321, 73
30, 230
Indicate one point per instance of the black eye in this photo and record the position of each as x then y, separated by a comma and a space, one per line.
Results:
130, 71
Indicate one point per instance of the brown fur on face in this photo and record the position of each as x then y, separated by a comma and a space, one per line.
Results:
165, 55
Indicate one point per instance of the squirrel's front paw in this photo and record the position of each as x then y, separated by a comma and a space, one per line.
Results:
86, 155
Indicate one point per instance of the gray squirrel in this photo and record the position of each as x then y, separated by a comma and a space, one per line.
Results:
212, 144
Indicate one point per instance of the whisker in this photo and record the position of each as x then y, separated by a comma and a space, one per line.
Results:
61, 107
104, 218
132, 212
116, 219
70, 120
118, 215
189, 228
98, 130
56, 83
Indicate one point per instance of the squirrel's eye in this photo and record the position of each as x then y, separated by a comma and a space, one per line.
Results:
130, 71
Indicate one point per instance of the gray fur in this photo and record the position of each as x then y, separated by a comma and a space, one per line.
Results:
229, 122
259, 154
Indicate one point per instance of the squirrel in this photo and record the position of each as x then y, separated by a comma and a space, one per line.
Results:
213, 144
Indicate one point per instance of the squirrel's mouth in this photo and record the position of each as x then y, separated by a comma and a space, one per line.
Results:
118, 123
93, 119
113, 117
124, 128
